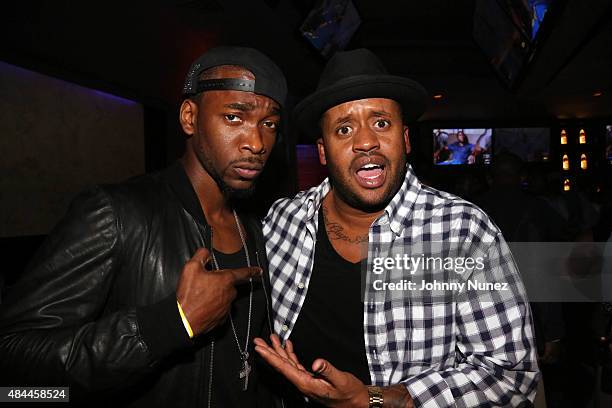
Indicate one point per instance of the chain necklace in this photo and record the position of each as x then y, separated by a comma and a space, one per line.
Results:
245, 369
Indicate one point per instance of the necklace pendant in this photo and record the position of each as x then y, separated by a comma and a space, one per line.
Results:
244, 374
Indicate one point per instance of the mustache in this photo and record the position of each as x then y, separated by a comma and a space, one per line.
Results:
360, 156
251, 160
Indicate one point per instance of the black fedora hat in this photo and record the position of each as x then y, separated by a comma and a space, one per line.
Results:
353, 75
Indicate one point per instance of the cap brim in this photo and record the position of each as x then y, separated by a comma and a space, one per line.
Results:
411, 96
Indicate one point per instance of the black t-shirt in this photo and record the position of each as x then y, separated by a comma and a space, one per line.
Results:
227, 386
330, 324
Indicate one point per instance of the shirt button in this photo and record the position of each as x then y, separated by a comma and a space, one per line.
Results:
301, 285
285, 328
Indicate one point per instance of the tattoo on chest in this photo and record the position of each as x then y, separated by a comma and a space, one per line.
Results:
335, 231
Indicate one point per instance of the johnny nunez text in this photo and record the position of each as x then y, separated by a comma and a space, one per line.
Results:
435, 285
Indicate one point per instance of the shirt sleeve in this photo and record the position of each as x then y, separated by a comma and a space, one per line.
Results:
496, 362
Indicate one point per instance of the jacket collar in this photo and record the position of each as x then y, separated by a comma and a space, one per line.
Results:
181, 185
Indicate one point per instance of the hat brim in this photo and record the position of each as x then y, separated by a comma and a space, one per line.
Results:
411, 96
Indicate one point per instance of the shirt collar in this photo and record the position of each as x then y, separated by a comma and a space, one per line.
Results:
399, 209
314, 198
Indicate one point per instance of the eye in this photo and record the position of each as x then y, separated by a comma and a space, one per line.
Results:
381, 123
270, 124
232, 118
344, 130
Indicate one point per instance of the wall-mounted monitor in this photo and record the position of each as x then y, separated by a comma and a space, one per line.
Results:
462, 146
530, 144
330, 25
506, 31
538, 11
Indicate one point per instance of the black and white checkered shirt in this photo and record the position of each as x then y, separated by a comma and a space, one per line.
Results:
459, 354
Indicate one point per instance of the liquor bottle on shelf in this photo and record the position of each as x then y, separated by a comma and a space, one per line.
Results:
582, 137
566, 185
565, 161
563, 137
583, 161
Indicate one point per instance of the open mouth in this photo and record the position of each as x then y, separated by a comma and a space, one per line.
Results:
371, 175
370, 171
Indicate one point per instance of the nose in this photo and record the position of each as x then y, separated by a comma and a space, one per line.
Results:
365, 140
253, 141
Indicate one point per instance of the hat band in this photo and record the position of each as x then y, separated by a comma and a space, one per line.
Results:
261, 86
232, 84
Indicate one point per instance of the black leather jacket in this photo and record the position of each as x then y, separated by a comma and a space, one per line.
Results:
96, 307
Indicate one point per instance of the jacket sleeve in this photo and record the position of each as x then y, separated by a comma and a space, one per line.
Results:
496, 355
54, 329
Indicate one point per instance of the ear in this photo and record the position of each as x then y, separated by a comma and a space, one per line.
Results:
407, 139
188, 116
321, 149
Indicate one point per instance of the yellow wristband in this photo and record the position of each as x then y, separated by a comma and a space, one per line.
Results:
185, 321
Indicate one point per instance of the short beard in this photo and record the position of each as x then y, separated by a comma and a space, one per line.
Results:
233, 194
230, 193
349, 197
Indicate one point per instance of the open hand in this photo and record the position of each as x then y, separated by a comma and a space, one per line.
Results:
325, 384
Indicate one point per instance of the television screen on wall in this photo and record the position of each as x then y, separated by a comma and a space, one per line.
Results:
330, 25
506, 31
530, 144
462, 146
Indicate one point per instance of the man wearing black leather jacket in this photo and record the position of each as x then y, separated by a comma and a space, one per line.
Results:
121, 303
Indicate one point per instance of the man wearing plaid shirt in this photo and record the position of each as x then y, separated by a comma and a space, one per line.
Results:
373, 351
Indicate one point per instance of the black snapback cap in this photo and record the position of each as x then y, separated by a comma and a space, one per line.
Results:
269, 79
